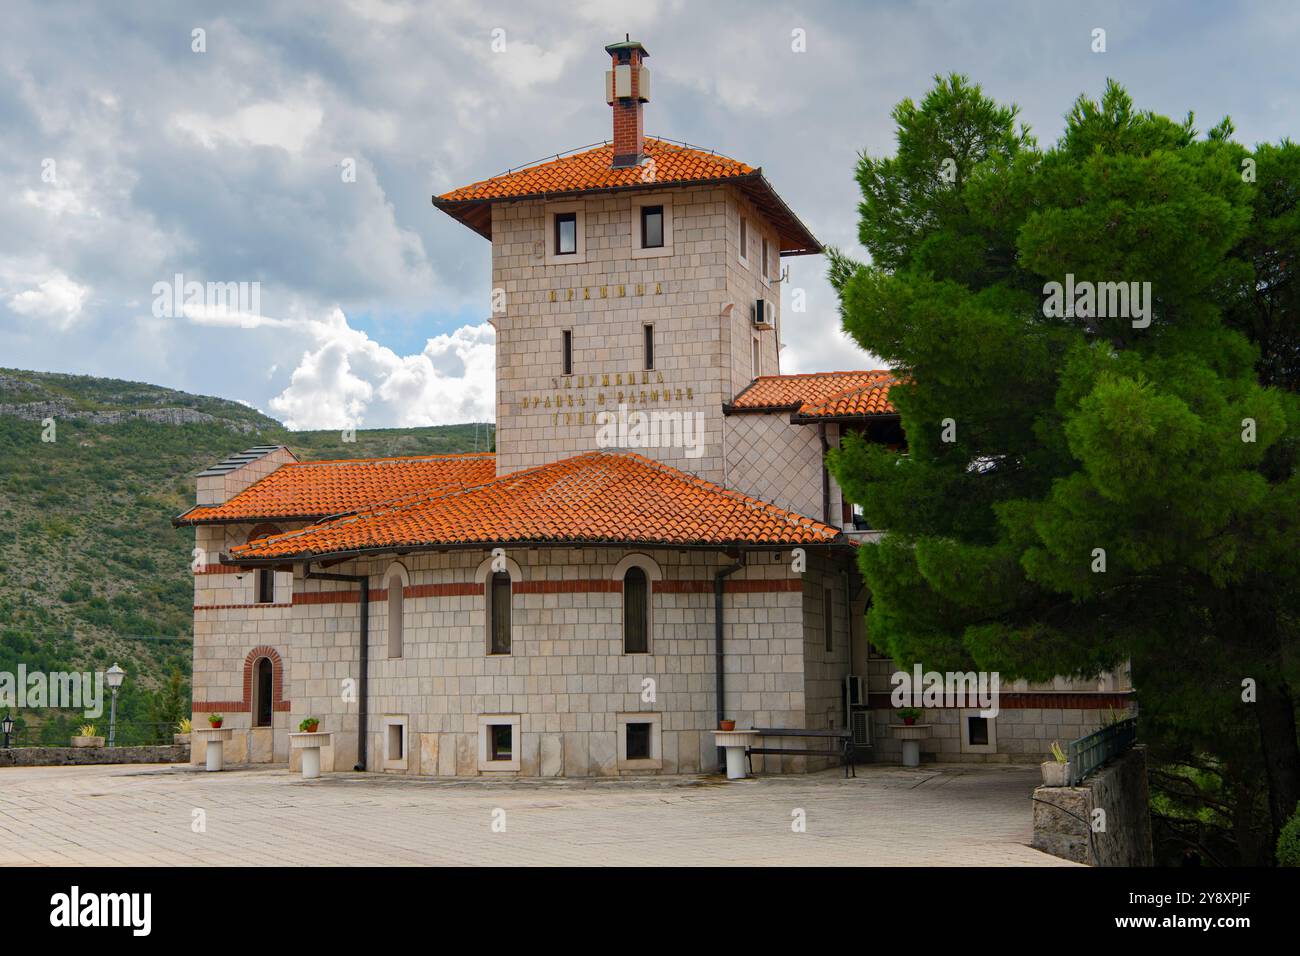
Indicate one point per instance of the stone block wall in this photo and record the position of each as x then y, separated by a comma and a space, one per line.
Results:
567, 680
1064, 816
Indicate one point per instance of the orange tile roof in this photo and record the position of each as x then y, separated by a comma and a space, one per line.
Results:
820, 395
595, 498
592, 170
310, 490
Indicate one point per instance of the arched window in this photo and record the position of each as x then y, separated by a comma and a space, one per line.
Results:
396, 579
636, 612
499, 594
395, 611
265, 687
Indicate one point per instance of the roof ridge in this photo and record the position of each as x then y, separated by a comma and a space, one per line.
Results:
431, 457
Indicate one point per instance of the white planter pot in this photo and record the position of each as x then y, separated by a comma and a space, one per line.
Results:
1055, 773
87, 741
181, 739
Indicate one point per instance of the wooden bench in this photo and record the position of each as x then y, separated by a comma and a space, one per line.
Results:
844, 751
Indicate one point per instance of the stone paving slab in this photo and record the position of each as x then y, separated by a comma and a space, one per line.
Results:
145, 815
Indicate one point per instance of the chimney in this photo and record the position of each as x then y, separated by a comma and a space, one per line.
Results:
627, 86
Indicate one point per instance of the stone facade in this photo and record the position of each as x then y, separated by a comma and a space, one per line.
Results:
567, 679
694, 292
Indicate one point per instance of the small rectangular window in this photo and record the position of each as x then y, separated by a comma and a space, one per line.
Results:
652, 227
765, 272
638, 741
828, 617
754, 360
501, 742
265, 586
649, 347
744, 238
977, 729
568, 351
566, 233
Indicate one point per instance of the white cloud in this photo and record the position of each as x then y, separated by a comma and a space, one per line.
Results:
288, 125
344, 378
54, 297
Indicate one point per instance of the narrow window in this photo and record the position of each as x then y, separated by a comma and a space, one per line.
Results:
396, 612
499, 611
500, 742
638, 742
828, 617
265, 586
765, 274
652, 227
265, 687
977, 730
744, 238
566, 233
567, 335
754, 362
649, 347
636, 617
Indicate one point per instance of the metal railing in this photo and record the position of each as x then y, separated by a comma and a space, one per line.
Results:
1088, 753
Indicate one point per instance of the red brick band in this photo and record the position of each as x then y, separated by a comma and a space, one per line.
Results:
245, 706
236, 607
1034, 700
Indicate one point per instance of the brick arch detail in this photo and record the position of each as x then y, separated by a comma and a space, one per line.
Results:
278, 702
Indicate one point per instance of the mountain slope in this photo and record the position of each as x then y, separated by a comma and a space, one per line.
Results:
91, 569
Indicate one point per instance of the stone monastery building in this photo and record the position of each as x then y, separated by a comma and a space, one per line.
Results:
655, 545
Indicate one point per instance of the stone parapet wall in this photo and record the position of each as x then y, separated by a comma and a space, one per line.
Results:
59, 756
1122, 838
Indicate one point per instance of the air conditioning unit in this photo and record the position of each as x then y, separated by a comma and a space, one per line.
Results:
860, 725
763, 314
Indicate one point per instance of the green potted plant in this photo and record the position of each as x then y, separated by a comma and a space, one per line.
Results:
308, 725
908, 715
86, 737
215, 720
1056, 770
183, 728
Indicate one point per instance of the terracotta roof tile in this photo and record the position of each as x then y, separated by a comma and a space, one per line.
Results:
820, 394
593, 169
596, 498
317, 489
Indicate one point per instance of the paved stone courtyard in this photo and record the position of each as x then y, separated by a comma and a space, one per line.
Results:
141, 815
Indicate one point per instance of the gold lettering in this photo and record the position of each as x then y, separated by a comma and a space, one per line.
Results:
621, 291
552, 295
658, 288
604, 380
586, 293
659, 378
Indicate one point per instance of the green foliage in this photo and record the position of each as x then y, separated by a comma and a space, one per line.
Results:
308, 724
1288, 843
1079, 490
91, 568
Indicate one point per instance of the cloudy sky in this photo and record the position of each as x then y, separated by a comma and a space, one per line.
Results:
127, 158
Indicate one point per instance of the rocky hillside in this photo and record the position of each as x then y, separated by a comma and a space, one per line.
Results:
91, 569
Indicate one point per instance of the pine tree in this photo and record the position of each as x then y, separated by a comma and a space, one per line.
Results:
1087, 480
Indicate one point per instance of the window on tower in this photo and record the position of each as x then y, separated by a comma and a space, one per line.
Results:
566, 233
652, 227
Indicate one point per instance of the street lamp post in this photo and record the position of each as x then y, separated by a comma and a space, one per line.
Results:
7, 725
115, 676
